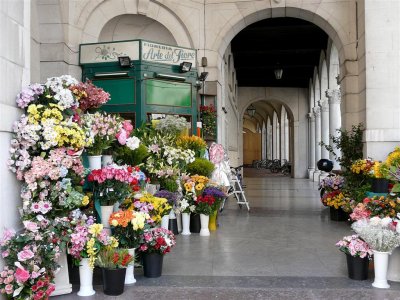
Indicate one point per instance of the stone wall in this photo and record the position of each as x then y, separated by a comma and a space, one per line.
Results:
15, 64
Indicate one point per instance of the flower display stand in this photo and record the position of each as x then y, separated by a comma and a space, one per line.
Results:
85, 278
106, 160
130, 276
94, 162
381, 267
63, 286
164, 221
204, 220
394, 266
186, 224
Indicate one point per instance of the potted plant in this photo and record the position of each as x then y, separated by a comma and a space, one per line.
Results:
102, 129
208, 114
113, 263
156, 243
382, 236
112, 184
128, 227
358, 253
86, 240
218, 195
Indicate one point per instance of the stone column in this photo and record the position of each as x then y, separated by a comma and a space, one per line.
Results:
317, 115
311, 145
335, 120
324, 106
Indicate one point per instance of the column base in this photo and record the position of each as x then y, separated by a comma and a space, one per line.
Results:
310, 173
316, 175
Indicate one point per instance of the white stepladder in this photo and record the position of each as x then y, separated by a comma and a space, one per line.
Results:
237, 187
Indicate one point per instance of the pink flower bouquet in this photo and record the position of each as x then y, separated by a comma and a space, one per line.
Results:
157, 240
354, 246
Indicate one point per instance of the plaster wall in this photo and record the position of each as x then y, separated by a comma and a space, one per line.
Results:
296, 105
382, 61
15, 58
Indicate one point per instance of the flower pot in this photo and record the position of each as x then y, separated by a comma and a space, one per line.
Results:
204, 220
85, 278
185, 224
113, 281
152, 264
381, 260
130, 274
194, 223
106, 160
106, 211
179, 221
357, 267
212, 225
165, 221
338, 214
393, 273
94, 162
172, 222
380, 185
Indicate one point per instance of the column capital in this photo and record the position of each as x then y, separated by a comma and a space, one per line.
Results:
334, 96
324, 105
317, 111
311, 117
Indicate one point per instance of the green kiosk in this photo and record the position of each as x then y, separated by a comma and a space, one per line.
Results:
146, 80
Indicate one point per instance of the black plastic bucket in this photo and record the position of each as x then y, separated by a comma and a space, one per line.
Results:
152, 264
357, 267
113, 281
195, 223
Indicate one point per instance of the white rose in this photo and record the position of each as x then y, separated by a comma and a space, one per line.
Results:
133, 143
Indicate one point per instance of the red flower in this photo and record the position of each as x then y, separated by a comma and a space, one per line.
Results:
90, 177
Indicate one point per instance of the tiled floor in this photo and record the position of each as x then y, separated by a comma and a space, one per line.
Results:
282, 249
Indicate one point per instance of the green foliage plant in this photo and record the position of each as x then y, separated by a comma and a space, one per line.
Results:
200, 166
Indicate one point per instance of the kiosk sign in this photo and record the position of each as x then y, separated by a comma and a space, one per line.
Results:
166, 54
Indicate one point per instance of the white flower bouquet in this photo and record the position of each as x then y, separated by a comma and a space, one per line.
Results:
381, 234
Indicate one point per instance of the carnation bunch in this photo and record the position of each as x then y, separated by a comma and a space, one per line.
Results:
204, 204
157, 240
354, 246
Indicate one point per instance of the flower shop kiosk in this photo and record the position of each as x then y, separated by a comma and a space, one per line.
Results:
146, 80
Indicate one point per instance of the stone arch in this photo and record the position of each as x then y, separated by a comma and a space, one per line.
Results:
320, 17
128, 27
95, 15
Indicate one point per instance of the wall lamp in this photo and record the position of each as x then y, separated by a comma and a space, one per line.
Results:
203, 76
224, 109
185, 67
125, 62
251, 110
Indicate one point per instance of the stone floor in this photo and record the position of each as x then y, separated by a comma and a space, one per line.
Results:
282, 249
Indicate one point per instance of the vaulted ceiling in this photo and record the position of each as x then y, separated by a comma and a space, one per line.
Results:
293, 43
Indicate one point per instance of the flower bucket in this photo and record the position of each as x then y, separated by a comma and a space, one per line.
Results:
106, 211
357, 267
338, 214
106, 160
380, 185
185, 224
212, 224
130, 270
204, 220
381, 260
152, 264
164, 221
113, 281
85, 278
94, 162
194, 223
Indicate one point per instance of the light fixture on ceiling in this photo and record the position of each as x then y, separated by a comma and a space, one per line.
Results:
278, 71
185, 67
125, 62
251, 110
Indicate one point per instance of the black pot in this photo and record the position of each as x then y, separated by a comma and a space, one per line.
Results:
380, 185
325, 165
195, 223
113, 281
357, 267
338, 214
173, 226
152, 264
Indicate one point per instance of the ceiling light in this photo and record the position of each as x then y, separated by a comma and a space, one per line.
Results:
278, 71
